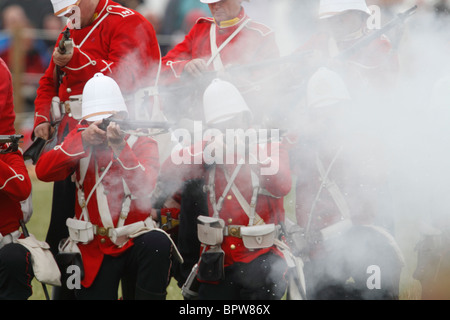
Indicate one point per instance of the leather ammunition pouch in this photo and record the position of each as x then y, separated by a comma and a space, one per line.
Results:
68, 255
211, 267
80, 231
210, 230
259, 237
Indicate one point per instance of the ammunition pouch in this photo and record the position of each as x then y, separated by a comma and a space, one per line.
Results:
211, 267
72, 107
80, 231
259, 237
210, 230
68, 255
120, 236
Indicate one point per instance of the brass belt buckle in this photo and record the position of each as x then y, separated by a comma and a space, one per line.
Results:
102, 231
234, 231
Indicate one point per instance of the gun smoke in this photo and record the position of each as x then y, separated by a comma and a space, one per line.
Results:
410, 118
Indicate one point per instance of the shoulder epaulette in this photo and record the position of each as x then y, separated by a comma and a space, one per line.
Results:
260, 27
205, 19
119, 10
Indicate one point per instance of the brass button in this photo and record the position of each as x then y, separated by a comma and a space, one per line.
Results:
229, 197
102, 240
68, 90
232, 247
230, 220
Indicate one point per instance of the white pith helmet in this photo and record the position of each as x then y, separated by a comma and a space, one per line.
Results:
101, 98
62, 7
222, 101
329, 8
325, 88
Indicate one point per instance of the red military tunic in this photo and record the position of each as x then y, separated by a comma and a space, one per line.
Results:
269, 208
356, 164
119, 43
255, 42
138, 166
15, 186
6, 101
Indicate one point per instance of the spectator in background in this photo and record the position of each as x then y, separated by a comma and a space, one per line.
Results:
174, 18
37, 53
36, 10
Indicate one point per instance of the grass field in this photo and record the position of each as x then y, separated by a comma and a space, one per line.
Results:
38, 225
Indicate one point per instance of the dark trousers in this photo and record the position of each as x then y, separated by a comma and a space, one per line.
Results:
16, 272
261, 279
146, 266
63, 207
344, 269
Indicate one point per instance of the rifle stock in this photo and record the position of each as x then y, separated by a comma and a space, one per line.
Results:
34, 151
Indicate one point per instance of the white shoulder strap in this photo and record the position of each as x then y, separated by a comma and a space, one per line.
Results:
249, 208
324, 178
334, 191
215, 52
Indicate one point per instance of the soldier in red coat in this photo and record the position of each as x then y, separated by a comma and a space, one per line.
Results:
343, 203
372, 68
16, 271
114, 174
239, 258
107, 38
230, 38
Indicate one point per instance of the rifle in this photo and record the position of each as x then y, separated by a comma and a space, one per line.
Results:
38, 146
13, 140
135, 125
65, 46
401, 17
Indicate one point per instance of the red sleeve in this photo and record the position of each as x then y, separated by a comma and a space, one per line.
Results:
175, 60
59, 163
6, 101
14, 178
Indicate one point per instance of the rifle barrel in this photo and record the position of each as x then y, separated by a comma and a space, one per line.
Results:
401, 17
11, 138
134, 125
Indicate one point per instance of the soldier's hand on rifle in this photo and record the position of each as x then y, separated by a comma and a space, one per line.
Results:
44, 130
115, 138
93, 135
61, 59
195, 67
